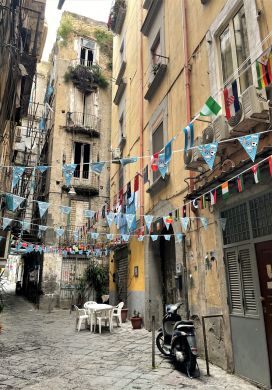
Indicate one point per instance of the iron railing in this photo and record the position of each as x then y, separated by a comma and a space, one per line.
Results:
82, 121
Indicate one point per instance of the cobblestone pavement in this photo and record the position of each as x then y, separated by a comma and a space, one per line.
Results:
40, 350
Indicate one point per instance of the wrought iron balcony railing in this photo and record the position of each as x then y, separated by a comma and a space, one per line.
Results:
84, 123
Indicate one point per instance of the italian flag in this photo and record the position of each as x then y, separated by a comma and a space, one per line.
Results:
240, 183
211, 107
256, 172
225, 190
213, 197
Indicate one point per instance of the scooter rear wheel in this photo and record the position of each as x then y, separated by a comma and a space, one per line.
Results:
160, 344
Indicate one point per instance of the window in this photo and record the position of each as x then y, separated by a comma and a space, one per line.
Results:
237, 227
82, 157
157, 145
234, 50
242, 297
87, 52
156, 51
122, 126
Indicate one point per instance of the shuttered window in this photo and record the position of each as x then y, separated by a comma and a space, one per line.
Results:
242, 295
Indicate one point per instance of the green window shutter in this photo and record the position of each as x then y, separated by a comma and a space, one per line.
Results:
234, 281
249, 296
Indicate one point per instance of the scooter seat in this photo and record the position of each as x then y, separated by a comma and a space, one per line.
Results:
186, 322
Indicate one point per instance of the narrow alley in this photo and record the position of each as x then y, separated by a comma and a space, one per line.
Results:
40, 350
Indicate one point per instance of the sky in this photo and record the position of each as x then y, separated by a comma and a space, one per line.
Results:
95, 9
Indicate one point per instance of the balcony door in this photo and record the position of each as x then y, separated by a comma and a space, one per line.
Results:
90, 110
82, 157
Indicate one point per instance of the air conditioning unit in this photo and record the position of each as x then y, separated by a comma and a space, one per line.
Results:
196, 154
254, 106
192, 157
116, 154
216, 131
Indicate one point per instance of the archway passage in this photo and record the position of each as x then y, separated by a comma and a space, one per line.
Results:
168, 266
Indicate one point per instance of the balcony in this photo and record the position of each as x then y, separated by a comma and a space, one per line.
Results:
83, 123
151, 15
85, 183
119, 93
85, 76
156, 74
117, 16
121, 72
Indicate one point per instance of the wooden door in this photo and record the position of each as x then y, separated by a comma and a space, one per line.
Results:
264, 260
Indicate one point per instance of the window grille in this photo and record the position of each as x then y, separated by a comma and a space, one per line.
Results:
261, 215
237, 227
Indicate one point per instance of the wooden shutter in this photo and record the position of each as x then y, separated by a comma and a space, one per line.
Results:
234, 282
249, 296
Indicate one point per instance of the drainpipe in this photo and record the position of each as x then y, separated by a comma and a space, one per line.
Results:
141, 178
188, 118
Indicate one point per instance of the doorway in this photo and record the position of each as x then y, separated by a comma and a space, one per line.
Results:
264, 262
168, 267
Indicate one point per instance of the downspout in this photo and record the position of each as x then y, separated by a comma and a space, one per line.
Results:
188, 119
141, 177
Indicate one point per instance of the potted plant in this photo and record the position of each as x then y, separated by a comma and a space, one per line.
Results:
136, 320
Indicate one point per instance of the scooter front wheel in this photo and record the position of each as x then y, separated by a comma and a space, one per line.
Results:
160, 344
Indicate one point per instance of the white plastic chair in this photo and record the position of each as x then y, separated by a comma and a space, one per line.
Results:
81, 315
104, 315
117, 313
90, 313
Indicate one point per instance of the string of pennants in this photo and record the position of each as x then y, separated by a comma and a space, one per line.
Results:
130, 218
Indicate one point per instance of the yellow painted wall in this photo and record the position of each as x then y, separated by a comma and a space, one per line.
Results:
136, 258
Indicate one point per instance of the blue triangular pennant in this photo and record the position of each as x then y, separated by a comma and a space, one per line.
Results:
97, 167
168, 151
148, 220
68, 171
167, 237
140, 238
125, 161
89, 213
109, 236
76, 235
65, 210
208, 152
43, 206
14, 201
162, 165
6, 222
250, 144
25, 225
94, 236
17, 173
130, 219
125, 237
59, 232
110, 218
179, 237
184, 223
204, 222
42, 168
154, 237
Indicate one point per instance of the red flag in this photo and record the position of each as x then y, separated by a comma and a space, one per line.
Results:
270, 165
155, 162
136, 183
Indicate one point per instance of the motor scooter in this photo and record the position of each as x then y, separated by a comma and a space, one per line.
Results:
176, 339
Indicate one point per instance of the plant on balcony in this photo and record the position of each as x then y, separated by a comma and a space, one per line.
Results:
86, 79
117, 7
104, 39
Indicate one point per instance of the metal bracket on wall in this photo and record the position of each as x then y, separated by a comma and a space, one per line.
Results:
205, 339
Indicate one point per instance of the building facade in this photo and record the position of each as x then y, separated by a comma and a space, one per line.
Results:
169, 57
80, 98
22, 34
